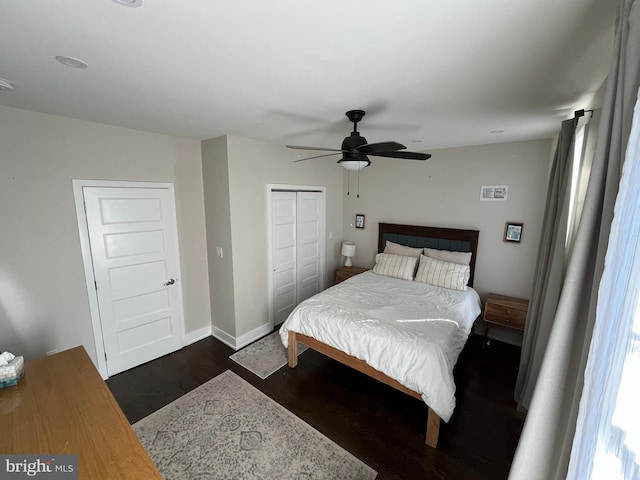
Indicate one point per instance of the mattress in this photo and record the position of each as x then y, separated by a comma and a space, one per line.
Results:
410, 331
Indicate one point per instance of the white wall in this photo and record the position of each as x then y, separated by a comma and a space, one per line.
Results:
445, 191
215, 168
252, 165
43, 297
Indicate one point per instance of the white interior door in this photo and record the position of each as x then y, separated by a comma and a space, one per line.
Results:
133, 237
297, 246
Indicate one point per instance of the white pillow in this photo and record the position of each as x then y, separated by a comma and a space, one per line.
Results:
397, 249
443, 274
463, 258
396, 266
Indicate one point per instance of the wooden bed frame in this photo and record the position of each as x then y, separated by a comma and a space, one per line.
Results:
414, 236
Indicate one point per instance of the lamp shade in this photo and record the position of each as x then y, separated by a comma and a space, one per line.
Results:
348, 251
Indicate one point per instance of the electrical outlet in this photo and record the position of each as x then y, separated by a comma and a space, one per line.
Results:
219, 252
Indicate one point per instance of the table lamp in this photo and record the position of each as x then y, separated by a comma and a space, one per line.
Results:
348, 251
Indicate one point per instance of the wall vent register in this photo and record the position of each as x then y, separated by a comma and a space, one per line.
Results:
494, 193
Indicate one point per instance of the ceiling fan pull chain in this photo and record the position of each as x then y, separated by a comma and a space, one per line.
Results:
348, 181
358, 195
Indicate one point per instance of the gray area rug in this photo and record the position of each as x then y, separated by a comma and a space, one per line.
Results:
264, 356
227, 429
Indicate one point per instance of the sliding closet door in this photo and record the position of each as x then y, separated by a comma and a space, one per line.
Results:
297, 234
283, 254
309, 227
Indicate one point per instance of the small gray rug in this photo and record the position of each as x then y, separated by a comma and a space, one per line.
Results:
264, 356
227, 429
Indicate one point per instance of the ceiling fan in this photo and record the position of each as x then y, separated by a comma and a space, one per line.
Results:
355, 148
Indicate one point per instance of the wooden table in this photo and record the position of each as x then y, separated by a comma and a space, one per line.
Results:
505, 311
342, 273
62, 406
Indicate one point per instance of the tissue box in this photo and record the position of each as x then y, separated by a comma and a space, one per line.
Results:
11, 373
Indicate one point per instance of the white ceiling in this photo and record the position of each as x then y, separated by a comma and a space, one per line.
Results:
430, 73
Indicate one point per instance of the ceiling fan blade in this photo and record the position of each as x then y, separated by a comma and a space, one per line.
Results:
317, 156
372, 148
300, 147
407, 155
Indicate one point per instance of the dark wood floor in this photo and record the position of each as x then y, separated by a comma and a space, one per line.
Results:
381, 426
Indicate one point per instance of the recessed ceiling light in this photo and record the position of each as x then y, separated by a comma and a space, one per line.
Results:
497, 131
129, 3
71, 62
5, 84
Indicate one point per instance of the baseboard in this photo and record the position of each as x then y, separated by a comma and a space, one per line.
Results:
242, 340
197, 335
224, 337
253, 335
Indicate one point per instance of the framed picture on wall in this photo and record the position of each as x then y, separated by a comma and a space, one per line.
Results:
359, 220
513, 232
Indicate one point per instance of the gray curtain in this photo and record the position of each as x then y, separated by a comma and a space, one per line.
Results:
545, 444
550, 268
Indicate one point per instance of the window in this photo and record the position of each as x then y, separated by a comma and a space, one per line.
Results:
607, 440
580, 169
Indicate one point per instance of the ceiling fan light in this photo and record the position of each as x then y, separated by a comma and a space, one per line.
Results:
354, 164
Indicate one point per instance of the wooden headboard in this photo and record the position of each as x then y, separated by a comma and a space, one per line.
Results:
416, 236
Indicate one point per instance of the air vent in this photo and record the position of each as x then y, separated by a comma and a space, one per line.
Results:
494, 193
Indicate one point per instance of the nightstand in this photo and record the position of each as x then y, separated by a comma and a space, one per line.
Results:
505, 311
342, 273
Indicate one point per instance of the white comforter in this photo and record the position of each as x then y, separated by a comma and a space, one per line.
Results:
410, 331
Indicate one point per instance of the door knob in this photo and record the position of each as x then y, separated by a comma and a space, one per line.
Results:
170, 282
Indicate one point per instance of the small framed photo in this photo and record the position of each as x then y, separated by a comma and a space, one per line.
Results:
359, 220
513, 232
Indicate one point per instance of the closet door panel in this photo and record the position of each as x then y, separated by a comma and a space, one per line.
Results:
309, 231
284, 254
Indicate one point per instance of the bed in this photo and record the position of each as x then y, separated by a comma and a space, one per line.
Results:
405, 333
